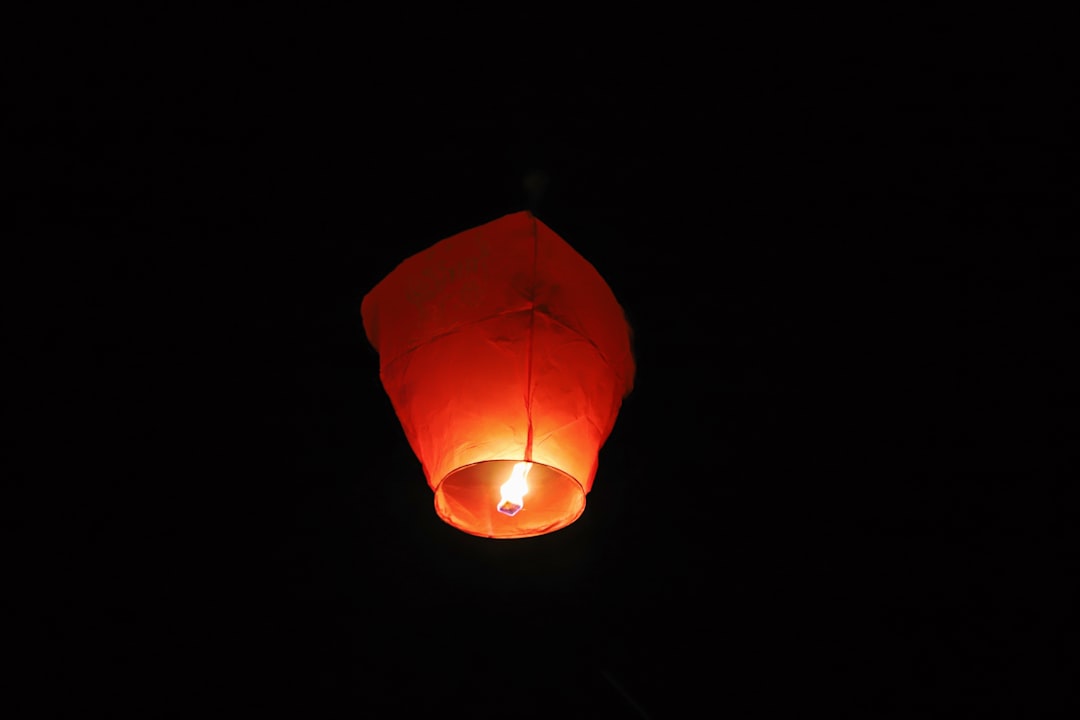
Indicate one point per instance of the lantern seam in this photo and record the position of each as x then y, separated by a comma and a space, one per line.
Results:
529, 347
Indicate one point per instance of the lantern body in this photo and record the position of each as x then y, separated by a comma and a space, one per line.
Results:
502, 345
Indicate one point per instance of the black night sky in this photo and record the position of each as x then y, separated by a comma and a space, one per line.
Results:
840, 484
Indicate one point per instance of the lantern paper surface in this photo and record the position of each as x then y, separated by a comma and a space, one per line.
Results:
498, 346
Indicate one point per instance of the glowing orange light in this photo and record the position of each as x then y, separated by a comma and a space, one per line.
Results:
504, 354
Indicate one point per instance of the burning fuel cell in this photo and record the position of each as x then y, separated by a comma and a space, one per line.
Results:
513, 490
507, 507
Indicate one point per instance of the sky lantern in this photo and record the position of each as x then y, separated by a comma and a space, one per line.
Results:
506, 357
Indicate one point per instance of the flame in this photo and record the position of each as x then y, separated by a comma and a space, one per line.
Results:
513, 490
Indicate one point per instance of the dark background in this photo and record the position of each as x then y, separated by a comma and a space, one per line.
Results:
844, 480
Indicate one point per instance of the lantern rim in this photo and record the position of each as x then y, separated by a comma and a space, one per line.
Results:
466, 499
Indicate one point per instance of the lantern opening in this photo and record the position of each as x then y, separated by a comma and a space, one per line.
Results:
469, 499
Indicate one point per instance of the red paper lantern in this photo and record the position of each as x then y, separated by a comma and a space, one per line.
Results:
506, 358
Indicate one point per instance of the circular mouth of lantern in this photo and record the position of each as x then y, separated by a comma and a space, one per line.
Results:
473, 499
